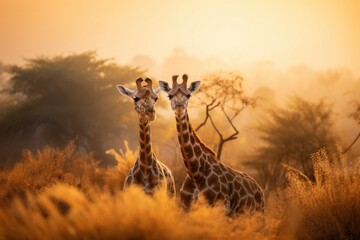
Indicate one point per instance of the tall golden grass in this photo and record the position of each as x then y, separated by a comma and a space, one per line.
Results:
328, 208
62, 194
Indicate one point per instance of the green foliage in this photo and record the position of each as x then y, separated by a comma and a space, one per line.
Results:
65, 98
290, 135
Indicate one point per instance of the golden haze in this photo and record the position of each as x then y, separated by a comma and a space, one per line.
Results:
322, 34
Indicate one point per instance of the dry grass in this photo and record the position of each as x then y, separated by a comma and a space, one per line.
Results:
126, 215
61, 194
328, 208
37, 172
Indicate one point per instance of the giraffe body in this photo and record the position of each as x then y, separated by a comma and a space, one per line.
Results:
206, 175
212, 178
147, 171
158, 174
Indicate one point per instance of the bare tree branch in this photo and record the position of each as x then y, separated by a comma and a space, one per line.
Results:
352, 144
356, 116
234, 135
216, 129
237, 112
208, 109
223, 91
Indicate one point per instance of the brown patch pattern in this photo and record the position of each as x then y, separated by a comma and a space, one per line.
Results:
213, 179
147, 171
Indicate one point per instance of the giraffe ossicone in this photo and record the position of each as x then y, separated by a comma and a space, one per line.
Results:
147, 171
206, 175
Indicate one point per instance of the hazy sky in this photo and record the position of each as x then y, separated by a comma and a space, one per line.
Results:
322, 34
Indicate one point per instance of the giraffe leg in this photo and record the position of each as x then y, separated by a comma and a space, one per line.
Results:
171, 186
132, 178
188, 193
235, 203
128, 181
170, 183
227, 203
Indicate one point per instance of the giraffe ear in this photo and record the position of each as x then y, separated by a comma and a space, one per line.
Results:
125, 91
194, 86
164, 86
157, 90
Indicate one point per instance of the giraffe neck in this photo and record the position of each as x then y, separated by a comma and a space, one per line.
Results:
190, 145
145, 151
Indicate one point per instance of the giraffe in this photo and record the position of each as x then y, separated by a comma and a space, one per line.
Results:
147, 170
206, 175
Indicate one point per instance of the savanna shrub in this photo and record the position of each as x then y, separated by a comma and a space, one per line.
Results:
329, 208
62, 194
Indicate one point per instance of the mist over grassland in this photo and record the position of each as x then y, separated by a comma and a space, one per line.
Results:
305, 118
272, 85
59, 193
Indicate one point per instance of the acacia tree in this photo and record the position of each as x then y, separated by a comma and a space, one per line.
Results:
64, 98
289, 136
3, 79
222, 95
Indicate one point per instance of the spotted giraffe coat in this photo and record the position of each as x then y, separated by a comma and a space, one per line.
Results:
147, 171
212, 178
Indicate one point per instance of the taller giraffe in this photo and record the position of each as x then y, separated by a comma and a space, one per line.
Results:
147, 170
205, 173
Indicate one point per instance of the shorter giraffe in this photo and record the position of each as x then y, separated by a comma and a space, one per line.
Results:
206, 174
147, 170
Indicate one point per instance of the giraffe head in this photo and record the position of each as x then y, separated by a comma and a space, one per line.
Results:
144, 98
179, 94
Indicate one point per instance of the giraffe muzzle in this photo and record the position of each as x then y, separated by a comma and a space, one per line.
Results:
151, 116
179, 106
150, 113
150, 110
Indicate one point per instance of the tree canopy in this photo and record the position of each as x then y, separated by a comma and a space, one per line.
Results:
289, 136
64, 98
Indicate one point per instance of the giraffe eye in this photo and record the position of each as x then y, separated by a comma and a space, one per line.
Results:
136, 99
156, 99
170, 96
188, 96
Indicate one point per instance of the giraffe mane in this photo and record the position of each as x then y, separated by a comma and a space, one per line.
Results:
202, 144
